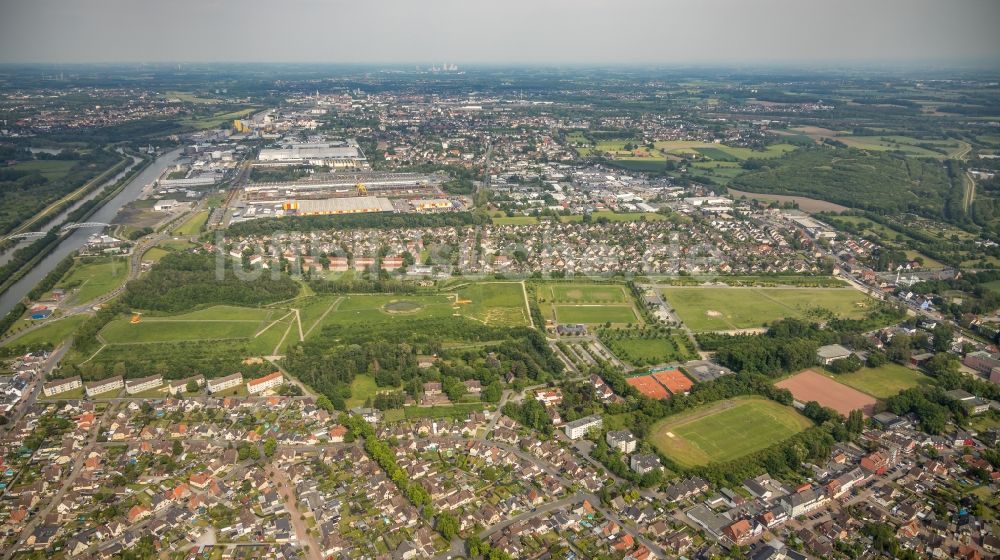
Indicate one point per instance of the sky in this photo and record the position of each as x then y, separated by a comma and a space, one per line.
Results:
663, 32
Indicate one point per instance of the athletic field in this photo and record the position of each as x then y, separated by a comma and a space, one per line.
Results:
724, 309
725, 430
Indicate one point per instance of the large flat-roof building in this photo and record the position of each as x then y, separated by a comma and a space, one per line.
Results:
57, 386
261, 384
579, 428
223, 383
104, 386
347, 205
133, 386
336, 155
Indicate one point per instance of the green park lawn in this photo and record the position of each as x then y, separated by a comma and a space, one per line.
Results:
725, 430
213, 323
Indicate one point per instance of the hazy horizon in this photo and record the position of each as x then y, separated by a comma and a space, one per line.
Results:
519, 32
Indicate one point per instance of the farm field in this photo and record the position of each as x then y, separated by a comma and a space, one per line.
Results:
809, 385
220, 322
725, 430
906, 144
91, 280
721, 152
884, 381
494, 303
721, 309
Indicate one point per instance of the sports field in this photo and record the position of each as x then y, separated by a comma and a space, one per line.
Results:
725, 430
657, 350
721, 309
809, 385
584, 293
648, 386
884, 381
595, 314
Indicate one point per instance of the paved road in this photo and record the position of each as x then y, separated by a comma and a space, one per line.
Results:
64, 484
287, 492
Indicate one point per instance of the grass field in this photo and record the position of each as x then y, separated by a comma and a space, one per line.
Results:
494, 303
584, 293
219, 322
615, 216
720, 309
368, 309
594, 314
52, 333
884, 381
193, 224
515, 220
641, 351
362, 388
725, 430
154, 254
51, 169
94, 279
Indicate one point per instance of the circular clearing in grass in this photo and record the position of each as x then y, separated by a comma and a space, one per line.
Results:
402, 306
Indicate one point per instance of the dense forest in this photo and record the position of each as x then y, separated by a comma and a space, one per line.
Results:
879, 182
183, 280
29, 186
329, 362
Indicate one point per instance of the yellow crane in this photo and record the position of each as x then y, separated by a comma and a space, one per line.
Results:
362, 189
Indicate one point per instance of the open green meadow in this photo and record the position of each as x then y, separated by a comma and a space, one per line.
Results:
494, 303
90, 280
194, 224
722, 309
54, 332
219, 322
884, 381
363, 387
51, 169
725, 430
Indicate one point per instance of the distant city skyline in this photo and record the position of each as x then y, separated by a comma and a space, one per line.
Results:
516, 31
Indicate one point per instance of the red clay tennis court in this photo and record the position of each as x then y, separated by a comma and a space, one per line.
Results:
673, 380
811, 386
649, 387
